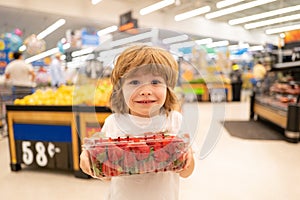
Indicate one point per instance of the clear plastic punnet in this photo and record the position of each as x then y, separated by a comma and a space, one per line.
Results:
136, 155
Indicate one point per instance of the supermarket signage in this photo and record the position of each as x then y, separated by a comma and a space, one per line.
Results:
89, 38
43, 145
4, 55
127, 22
44, 154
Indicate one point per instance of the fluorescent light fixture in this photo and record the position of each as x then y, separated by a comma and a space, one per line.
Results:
264, 15
46, 53
94, 2
156, 6
192, 13
256, 48
282, 29
182, 44
51, 28
177, 46
63, 57
179, 38
22, 48
238, 46
82, 52
107, 30
131, 39
237, 8
272, 21
218, 44
225, 3
204, 41
282, 35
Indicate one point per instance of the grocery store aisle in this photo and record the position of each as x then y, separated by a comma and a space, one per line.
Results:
235, 169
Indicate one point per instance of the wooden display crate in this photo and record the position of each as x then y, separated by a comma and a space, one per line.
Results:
49, 136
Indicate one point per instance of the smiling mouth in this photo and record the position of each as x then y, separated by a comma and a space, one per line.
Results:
145, 101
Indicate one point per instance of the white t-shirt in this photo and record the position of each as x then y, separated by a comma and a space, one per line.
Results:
19, 73
150, 186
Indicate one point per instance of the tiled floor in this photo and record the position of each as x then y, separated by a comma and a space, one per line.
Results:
234, 169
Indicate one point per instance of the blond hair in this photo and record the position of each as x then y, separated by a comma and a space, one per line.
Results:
157, 61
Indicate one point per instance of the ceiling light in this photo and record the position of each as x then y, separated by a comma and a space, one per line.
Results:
192, 13
177, 2
256, 48
156, 6
94, 2
46, 53
225, 3
82, 52
239, 46
179, 38
272, 21
204, 41
238, 8
282, 35
134, 38
107, 30
51, 28
264, 15
218, 44
22, 48
177, 46
282, 29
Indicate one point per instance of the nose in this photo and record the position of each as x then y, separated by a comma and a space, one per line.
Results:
145, 91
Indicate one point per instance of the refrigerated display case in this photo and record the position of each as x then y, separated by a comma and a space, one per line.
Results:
278, 101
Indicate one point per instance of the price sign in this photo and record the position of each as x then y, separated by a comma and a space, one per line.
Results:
44, 154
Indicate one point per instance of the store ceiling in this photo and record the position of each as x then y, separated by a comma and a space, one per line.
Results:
34, 22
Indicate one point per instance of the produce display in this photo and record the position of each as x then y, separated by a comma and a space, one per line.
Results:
136, 155
90, 94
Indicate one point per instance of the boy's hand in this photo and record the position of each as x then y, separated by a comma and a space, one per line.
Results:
85, 163
189, 164
188, 157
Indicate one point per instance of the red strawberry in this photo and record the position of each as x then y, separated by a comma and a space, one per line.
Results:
110, 169
161, 155
97, 169
114, 153
179, 163
170, 147
146, 166
101, 154
141, 151
129, 158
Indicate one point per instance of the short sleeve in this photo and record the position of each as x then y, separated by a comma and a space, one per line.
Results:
30, 68
7, 69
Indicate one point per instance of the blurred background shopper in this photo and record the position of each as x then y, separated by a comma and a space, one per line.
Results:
21, 76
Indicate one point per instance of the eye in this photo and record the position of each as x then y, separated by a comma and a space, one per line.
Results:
155, 82
134, 82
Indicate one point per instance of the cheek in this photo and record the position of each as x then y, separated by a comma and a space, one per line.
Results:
128, 94
163, 94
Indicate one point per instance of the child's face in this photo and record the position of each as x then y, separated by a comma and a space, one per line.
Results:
144, 94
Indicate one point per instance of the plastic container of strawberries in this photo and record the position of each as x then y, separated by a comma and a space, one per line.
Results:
136, 155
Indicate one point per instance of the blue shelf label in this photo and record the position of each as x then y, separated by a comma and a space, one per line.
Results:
41, 132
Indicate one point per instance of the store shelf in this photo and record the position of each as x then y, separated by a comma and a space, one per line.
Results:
286, 65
